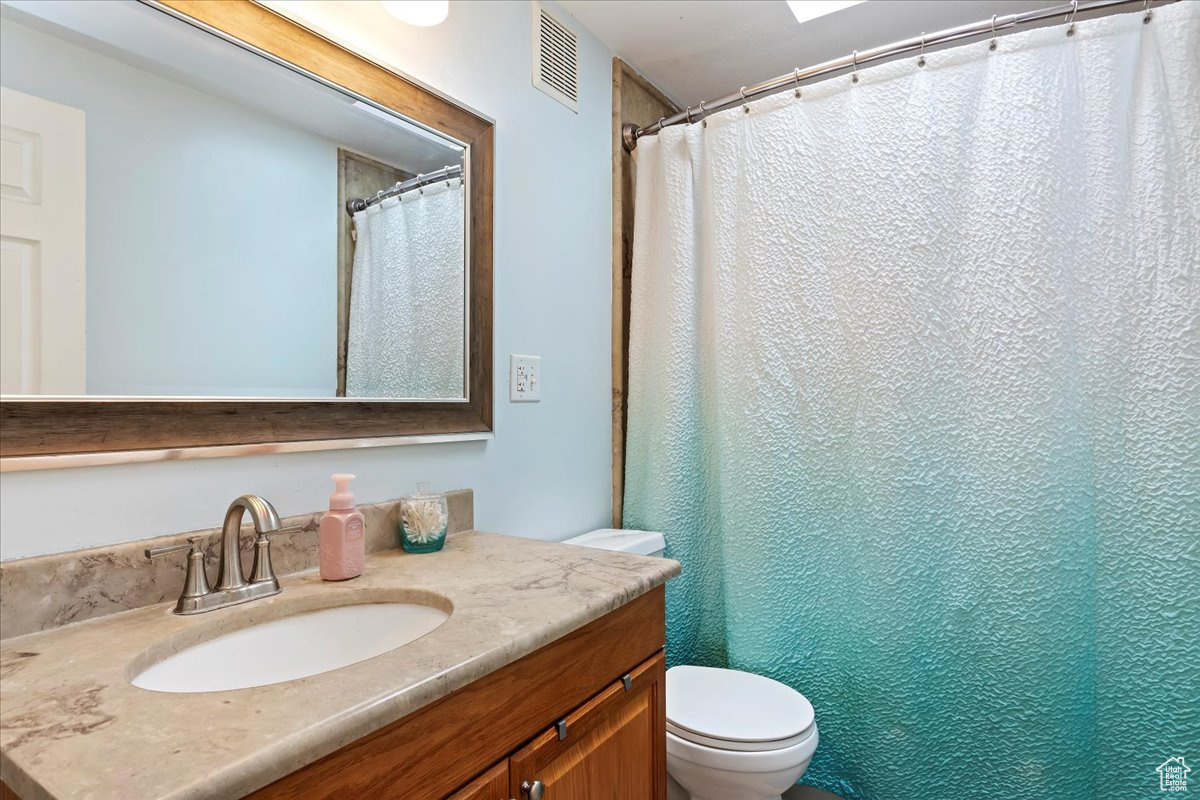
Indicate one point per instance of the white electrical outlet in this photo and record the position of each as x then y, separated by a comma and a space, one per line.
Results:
524, 378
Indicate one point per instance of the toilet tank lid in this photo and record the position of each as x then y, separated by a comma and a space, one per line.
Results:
642, 542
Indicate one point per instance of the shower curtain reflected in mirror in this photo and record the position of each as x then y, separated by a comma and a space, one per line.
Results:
915, 396
407, 297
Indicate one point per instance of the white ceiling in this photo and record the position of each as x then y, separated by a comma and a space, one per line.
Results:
696, 50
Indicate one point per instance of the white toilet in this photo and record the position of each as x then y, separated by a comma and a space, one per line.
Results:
730, 735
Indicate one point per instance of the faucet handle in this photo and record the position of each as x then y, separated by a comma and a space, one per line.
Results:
195, 584
288, 529
166, 549
195, 544
262, 569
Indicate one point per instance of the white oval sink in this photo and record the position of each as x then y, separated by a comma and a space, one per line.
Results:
291, 647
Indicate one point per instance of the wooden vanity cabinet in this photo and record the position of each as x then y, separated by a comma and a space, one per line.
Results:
491, 785
607, 750
604, 682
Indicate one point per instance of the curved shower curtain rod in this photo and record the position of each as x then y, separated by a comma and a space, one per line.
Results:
446, 173
630, 132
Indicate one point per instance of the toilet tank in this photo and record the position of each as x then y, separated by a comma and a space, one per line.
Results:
645, 543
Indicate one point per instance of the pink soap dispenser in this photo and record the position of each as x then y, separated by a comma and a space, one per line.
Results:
341, 534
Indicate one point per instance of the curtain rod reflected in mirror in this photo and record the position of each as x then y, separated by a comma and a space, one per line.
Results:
447, 174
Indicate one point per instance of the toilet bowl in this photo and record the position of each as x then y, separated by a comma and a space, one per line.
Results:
731, 735
734, 735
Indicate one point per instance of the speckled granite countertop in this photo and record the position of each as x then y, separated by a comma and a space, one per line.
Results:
72, 726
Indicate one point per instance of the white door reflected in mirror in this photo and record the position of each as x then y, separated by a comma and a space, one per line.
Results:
42, 255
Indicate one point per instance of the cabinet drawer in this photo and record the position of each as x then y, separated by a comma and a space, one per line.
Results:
491, 785
613, 746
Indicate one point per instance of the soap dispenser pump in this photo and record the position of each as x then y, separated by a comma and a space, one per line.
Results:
342, 529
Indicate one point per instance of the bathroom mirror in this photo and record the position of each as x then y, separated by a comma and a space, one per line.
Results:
216, 224
210, 214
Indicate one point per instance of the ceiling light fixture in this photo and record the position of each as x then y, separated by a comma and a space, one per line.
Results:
804, 10
422, 13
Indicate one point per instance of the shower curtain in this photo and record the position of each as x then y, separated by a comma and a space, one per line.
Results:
406, 330
915, 396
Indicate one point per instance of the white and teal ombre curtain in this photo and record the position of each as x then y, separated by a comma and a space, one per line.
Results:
915, 396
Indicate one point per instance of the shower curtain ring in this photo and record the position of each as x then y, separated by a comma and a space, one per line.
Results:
797, 74
993, 45
661, 120
745, 102
1149, 14
921, 52
1071, 17
854, 61
703, 115
687, 112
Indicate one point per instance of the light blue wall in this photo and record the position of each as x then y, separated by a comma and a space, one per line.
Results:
211, 231
547, 473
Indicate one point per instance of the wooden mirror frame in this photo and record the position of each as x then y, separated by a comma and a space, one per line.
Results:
54, 427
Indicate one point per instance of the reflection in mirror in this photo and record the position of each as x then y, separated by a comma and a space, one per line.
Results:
186, 217
408, 255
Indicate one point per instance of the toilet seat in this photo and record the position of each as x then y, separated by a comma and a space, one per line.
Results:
741, 761
742, 747
729, 710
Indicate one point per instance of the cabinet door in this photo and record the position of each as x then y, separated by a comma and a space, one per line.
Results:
614, 748
491, 785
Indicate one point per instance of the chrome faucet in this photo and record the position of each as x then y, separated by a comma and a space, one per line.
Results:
232, 587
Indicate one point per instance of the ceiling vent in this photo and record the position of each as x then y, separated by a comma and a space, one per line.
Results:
555, 58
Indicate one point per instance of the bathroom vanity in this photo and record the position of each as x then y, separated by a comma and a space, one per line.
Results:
611, 743
546, 680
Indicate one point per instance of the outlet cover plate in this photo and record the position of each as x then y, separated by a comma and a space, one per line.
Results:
524, 378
